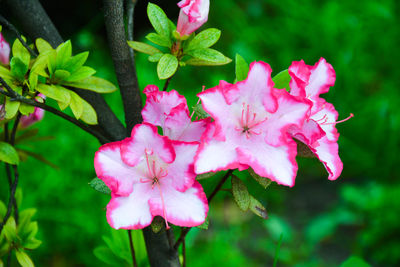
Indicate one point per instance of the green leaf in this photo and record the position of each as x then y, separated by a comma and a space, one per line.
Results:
94, 84
257, 208
204, 225
282, 80
32, 243
155, 57
75, 62
33, 80
89, 114
38, 157
20, 52
241, 68
10, 230
42, 45
61, 75
76, 105
55, 92
167, 66
51, 61
64, 52
5, 73
11, 108
205, 175
157, 224
100, 186
26, 109
277, 250
240, 193
18, 68
355, 261
204, 39
160, 40
106, 255
200, 112
158, 19
143, 48
23, 259
81, 73
207, 57
3, 210
264, 182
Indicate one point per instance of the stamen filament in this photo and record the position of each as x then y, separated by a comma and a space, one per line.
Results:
336, 122
163, 206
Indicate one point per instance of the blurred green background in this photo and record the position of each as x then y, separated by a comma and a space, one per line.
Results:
322, 222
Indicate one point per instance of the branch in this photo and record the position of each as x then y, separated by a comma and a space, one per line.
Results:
130, 10
186, 230
124, 69
134, 263
16, 97
5, 22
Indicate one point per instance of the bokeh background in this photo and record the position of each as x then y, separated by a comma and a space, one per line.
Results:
321, 222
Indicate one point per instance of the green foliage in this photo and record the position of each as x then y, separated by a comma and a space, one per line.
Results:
354, 261
241, 68
143, 48
100, 186
206, 57
167, 66
159, 20
204, 225
160, 40
204, 39
282, 80
8, 153
240, 193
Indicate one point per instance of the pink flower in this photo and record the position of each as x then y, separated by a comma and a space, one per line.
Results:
150, 175
36, 116
318, 132
193, 14
250, 129
170, 111
4, 51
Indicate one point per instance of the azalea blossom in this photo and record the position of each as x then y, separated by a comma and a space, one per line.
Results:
193, 14
36, 116
150, 175
4, 51
318, 132
250, 128
170, 111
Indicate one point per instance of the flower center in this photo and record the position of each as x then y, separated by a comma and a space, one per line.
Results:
248, 121
154, 175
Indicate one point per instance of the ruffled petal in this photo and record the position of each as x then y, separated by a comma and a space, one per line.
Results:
300, 74
109, 167
322, 77
326, 117
133, 211
328, 153
309, 133
146, 139
187, 208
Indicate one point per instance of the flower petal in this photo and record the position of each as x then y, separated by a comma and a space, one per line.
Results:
145, 138
321, 79
326, 116
328, 153
300, 74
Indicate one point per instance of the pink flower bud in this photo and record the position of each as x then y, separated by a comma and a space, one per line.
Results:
4, 51
36, 116
194, 13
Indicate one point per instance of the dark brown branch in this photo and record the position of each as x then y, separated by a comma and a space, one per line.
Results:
134, 263
167, 83
16, 97
8, 166
124, 69
186, 230
6, 23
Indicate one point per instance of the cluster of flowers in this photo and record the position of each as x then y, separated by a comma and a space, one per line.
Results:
38, 113
251, 125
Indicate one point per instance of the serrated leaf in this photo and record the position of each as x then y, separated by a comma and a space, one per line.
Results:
76, 105
157, 224
160, 40
282, 80
55, 92
100, 186
143, 48
263, 181
42, 45
61, 75
23, 259
167, 66
257, 208
241, 68
207, 57
26, 109
204, 225
204, 39
11, 108
89, 114
64, 52
240, 193
8, 153
18, 68
75, 62
5, 73
20, 52
155, 57
158, 19
94, 84
82, 73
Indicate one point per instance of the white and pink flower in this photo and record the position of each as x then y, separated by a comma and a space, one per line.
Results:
150, 175
318, 132
250, 128
193, 14
4, 51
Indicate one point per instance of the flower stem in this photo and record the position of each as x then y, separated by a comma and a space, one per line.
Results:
134, 263
167, 83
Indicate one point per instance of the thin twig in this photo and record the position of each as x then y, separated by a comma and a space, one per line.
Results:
8, 167
186, 230
132, 249
167, 83
16, 97
12, 142
5, 22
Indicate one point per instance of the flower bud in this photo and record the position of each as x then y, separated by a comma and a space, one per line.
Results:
193, 14
4, 51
